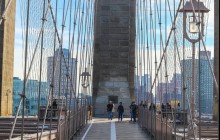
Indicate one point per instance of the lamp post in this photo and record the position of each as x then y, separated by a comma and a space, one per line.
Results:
85, 79
193, 12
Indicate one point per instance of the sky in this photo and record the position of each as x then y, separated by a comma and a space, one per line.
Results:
18, 49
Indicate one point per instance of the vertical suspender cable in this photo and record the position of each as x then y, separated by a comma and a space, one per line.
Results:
40, 76
66, 91
148, 58
69, 75
59, 55
76, 67
166, 75
53, 79
138, 53
141, 48
175, 74
155, 53
161, 72
66, 62
183, 80
151, 96
199, 71
144, 50
25, 68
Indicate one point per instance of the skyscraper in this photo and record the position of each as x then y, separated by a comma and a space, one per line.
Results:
163, 92
7, 30
175, 87
203, 82
206, 84
145, 87
60, 73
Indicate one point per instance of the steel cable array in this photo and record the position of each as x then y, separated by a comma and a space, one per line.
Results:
159, 30
64, 34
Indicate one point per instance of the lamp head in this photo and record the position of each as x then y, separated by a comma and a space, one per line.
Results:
199, 7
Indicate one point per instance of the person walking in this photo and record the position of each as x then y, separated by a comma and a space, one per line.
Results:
109, 110
134, 111
178, 110
54, 108
163, 109
120, 111
131, 114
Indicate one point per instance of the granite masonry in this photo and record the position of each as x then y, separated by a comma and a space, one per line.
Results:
114, 54
7, 30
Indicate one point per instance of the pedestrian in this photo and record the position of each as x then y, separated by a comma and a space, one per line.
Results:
120, 111
54, 107
134, 111
89, 112
163, 110
131, 114
178, 110
113, 110
145, 104
109, 110
151, 107
168, 107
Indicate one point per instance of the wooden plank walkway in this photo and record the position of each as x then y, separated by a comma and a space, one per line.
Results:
104, 129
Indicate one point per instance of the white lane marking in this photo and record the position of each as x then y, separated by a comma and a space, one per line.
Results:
113, 131
87, 131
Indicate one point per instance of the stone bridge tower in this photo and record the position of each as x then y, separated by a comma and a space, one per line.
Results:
114, 54
7, 30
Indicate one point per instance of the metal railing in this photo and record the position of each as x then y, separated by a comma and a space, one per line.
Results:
78, 119
158, 128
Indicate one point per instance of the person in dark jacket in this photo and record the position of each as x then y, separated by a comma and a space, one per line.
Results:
120, 111
134, 110
54, 107
109, 110
163, 110
131, 114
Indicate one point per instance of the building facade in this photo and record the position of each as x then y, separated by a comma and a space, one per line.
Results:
60, 74
163, 92
171, 91
32, 95
206, 84
145, 88
216, 62
17, 90
175, 88
7, 30
203, 83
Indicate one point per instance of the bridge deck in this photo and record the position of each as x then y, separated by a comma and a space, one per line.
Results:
104, 129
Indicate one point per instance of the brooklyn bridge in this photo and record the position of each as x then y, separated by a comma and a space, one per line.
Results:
109, 69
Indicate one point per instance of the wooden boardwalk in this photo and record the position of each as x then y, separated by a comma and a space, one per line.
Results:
104, 129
